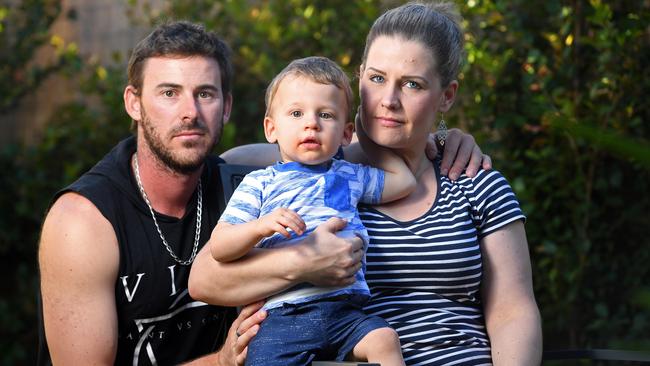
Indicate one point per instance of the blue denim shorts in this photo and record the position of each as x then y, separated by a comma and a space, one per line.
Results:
297, 334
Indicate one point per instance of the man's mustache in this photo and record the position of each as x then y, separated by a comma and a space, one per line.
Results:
195, 125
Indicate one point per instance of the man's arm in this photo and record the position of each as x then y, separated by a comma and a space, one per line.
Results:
321, 258
79, 259
511, 314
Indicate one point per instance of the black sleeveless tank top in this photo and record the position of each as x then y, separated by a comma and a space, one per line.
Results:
158, 322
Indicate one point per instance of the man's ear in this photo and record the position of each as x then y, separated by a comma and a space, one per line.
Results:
348, 130
132, 103
269, 130
448, 96
227, 108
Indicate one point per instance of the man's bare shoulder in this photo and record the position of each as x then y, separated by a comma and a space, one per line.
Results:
72, 203
74, 225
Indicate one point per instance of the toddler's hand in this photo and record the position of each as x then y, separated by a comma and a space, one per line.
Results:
279, 221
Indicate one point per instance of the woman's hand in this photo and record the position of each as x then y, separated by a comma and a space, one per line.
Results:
459, 153
241, 332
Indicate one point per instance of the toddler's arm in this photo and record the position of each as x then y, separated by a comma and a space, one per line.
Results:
399, 181
229, 242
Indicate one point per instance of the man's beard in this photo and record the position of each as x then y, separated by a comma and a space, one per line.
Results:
166, 156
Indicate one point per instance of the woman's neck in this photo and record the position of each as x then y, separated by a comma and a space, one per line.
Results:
422, 199
417, 162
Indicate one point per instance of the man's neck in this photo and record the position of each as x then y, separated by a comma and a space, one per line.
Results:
168, 191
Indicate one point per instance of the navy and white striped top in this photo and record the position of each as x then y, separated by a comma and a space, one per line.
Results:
425, 274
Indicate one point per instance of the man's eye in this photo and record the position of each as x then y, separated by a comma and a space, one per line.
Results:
204, 94
168, 93
296, 114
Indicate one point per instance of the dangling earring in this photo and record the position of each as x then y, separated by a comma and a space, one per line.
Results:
441, 134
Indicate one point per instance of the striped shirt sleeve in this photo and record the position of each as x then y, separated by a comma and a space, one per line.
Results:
494, 204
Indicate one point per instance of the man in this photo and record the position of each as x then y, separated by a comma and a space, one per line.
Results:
117, 244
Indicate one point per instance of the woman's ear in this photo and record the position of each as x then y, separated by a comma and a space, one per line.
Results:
448, 96
269, 130
132, 103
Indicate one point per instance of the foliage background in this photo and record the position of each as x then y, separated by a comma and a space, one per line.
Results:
555, 91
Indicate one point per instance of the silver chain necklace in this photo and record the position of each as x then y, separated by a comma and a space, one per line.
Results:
199, 207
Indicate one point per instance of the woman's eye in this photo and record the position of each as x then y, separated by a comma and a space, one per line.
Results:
377, 79
296, 114
412, 85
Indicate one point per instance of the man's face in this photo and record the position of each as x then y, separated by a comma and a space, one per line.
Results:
182, 110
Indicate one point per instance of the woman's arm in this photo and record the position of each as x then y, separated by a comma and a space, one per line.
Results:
511, 315
261, 155
461, 153
235, 347
322, 259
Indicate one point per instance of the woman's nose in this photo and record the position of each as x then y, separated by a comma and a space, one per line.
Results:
390, 98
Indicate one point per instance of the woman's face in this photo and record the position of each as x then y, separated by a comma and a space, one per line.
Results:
401, 93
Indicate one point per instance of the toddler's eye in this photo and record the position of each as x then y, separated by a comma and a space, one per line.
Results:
296, 114
325, 115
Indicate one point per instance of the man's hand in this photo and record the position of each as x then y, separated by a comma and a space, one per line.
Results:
332, 261
279, 221
241, 332
459, 153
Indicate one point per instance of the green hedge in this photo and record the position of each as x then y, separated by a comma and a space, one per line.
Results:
554, 92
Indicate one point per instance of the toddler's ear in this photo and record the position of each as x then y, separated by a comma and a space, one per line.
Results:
269, 130
347, 133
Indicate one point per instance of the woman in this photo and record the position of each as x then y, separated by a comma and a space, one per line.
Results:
448, 266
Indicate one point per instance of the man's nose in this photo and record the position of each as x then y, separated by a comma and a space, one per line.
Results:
189, 109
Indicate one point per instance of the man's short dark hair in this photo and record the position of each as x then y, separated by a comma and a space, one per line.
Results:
185, 39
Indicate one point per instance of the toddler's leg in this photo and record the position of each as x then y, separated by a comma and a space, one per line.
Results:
380, 346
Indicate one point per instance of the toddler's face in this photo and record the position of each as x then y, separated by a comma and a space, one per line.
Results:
308, 120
